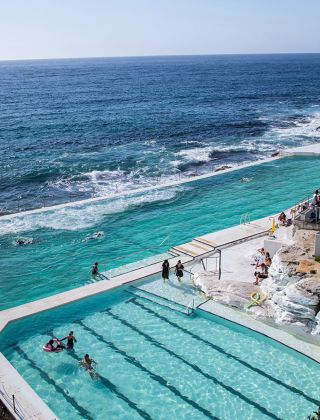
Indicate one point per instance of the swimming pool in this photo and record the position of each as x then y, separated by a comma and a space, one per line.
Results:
157, 363
139, 226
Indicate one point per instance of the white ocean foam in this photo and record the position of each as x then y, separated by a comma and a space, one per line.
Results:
81, 217
196, 154
308, 129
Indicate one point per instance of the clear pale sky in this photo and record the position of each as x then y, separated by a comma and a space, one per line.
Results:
101, 28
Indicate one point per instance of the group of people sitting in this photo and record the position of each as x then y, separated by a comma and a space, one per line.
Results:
262, 262
283, 220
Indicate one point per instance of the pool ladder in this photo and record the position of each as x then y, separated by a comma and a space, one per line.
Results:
245, 219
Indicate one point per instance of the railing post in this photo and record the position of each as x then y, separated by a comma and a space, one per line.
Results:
14, 403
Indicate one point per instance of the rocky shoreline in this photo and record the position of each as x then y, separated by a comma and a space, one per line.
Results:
292, 289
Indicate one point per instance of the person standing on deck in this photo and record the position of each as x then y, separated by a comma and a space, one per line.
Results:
179, 270
165, 270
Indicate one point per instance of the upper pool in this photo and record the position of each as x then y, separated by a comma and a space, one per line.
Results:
139, 226
156, 363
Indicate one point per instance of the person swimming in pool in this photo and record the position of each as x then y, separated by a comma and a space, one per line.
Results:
71, 340
87, 362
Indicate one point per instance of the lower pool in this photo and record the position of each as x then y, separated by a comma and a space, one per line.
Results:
157, 363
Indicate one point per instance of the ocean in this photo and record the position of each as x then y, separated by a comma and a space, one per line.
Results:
73, 129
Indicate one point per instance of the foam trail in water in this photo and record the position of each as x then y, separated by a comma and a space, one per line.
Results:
81, 216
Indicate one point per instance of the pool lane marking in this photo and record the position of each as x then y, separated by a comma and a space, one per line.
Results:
229, 355
153, 375
194, 367
82, 411
114, 389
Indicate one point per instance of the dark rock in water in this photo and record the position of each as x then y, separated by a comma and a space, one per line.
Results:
275, 154
223, 168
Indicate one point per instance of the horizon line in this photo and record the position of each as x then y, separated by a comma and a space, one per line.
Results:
155, 56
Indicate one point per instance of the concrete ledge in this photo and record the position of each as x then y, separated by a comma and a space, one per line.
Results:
73, 295
30, 405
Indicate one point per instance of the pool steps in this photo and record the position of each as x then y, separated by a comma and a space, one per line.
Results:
160, 300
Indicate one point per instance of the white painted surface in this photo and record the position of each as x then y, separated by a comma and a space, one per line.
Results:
31, 404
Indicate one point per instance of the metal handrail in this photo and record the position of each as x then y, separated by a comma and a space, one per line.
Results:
245, 219
13, 405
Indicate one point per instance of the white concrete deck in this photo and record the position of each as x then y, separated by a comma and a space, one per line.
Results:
222, 238
311, 150
237, 259
27, 400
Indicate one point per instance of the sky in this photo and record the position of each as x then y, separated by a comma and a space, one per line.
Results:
31, 29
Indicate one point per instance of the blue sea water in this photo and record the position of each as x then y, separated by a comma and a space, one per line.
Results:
71, 129
80, 128
85, 128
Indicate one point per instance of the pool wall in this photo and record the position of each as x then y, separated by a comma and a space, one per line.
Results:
32, 403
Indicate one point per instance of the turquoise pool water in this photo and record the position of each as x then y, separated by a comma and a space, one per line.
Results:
156, 363
139, 226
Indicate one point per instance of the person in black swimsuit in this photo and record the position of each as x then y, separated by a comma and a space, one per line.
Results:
179, 270
95, 269
71, 340
165, 270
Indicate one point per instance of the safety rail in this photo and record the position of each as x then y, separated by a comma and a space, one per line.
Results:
13, 405
305, 214
204, 260
245, 219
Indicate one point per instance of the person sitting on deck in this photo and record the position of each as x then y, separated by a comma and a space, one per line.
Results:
268, 260
315, 198
282, 218
263, 274
260, 258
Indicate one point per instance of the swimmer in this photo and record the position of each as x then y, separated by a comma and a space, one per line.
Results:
49, 347
96, 235
87, 362
23, 241
244, 179
95, 269
71, 340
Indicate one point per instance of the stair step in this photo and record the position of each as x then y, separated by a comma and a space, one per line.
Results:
159, 300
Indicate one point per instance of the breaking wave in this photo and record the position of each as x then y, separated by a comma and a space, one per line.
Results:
83, 216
